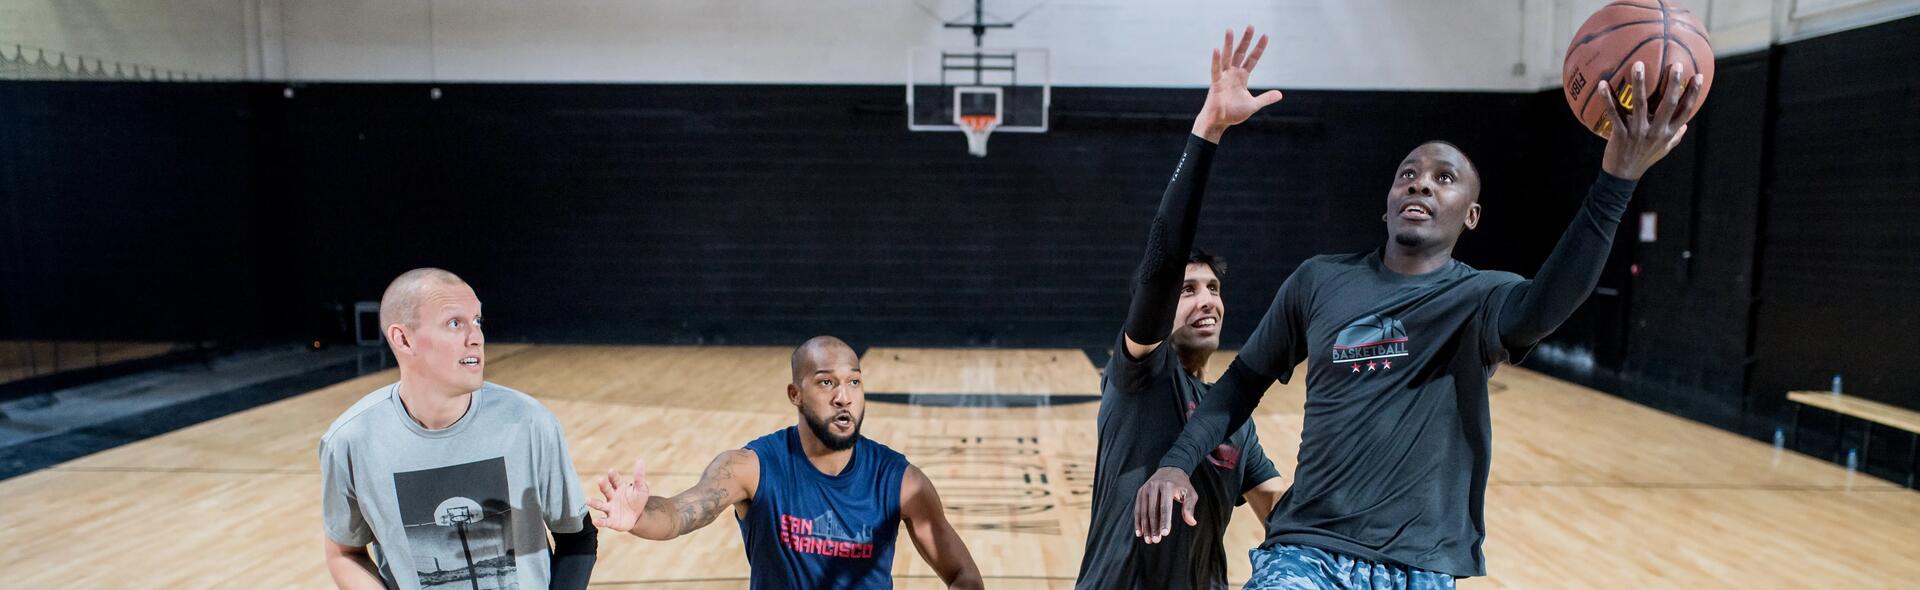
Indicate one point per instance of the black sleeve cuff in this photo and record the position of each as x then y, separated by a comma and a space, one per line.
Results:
1614, 184
1197, 145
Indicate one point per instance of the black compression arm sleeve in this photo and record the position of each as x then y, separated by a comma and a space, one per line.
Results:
573, 557
1227, 406
1534, 309
1156, 293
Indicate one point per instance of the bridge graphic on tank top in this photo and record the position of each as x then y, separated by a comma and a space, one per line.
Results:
828, 525
1370, 344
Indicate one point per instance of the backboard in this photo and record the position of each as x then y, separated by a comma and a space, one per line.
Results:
978, 91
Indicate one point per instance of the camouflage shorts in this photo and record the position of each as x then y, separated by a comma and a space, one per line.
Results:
1295, 567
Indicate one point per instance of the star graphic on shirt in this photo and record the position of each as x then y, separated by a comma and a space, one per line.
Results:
1356, 367
1386, 364
1370, 365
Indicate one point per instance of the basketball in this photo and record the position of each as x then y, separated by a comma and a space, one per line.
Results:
1658, 33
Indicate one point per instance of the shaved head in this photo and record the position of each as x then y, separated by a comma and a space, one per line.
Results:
828, 392
401, 303
813, 353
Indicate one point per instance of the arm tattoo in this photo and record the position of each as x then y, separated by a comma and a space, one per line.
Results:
697, 507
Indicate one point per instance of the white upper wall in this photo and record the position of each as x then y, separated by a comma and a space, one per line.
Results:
202, 36
1513, 45
1470, 44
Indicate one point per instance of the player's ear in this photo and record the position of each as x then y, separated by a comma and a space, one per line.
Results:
793, 394
1473, 216
397, 338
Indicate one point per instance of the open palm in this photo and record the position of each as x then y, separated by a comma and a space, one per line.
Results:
1229, 102
624, 503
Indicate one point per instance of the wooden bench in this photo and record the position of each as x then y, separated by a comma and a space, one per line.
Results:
1864, 409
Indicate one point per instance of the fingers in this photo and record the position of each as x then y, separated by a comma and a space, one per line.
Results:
1226, 51
1613, 110
1163, 521
1690, 104
1240, 54
1670, 103
639, 473
1216, 65
1258, 50
1639, 109
1268, 98
1141, 500
1151, 512
597, 505
608, 485
1186, 509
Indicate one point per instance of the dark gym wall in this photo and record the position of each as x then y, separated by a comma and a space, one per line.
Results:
1668, 325
715, 214
745, 214
763, 214
129, 211
1839, 242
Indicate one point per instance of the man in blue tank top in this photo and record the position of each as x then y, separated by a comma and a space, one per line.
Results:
818, 505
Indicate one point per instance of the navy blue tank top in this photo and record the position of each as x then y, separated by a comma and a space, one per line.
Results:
806, 529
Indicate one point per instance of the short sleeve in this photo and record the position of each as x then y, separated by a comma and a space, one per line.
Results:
339, 504
562, 499
1259, 468
1280, 341
1494, 348
1129, 374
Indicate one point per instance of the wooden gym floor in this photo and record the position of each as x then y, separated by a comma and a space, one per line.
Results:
24, 359
1587, 490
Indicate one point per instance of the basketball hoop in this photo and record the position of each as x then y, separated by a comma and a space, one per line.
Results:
977, 128
978, 92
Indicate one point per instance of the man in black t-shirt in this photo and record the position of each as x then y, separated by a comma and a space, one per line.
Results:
1154, 378
1391, 483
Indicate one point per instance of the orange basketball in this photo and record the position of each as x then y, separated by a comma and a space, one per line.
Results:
1655, 32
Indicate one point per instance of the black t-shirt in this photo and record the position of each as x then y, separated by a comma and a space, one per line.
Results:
1396, 436
1144, 404
1397, 440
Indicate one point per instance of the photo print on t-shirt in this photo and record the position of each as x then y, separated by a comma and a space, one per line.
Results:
458, 524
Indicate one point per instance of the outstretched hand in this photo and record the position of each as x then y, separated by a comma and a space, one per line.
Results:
1229, 102
625, 501
1639, 138
1153, 504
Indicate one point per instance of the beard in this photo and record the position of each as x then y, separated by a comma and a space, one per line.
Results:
1409, 239
823, 430
1185, 340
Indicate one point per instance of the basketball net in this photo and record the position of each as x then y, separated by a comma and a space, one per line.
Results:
977, 128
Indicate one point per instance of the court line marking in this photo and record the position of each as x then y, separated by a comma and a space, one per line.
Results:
1872, 486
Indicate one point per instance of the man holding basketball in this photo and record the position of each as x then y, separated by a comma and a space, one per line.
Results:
1391, 483
1154, 379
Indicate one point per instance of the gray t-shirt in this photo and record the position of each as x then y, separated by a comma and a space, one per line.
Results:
470, 502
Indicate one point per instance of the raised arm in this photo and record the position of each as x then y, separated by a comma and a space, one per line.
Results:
1534, 308
932, 535
731, 479
1277, 344
1156, 296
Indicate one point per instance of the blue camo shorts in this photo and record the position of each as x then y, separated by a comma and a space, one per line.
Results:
1296, 567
